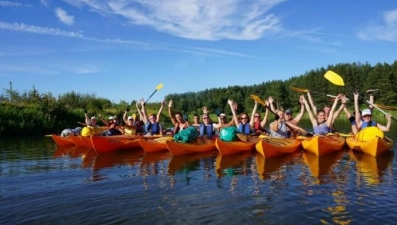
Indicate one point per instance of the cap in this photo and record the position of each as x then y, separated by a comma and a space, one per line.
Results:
130, 118
222, 114
366, 112
288, 112
110, 117
93, 118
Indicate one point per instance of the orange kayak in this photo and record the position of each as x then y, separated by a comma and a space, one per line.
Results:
267, 166
154, 145
105, 144
271, 147
321, 166
61, 141
228, 148
77, 141
87, 142
179, 148
322, 145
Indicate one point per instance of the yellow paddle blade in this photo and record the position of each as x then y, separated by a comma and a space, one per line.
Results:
134, 116
385, 107
159, 87
369, 133
334, 78
298, 89
259, 100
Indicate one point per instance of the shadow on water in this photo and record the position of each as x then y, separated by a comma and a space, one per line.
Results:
267, 166
233, 164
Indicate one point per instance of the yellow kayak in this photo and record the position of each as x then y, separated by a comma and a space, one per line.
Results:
271, 147
322, 145
370, 140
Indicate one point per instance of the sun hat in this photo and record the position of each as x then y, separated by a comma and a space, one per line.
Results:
366, 112
130, 118
222, 114
93, 118
110, 117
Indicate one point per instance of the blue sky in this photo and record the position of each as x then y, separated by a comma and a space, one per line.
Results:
122, 49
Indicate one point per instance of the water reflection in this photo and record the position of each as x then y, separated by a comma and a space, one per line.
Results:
370, 169
188, 162
235, 164
321, 167
268, 166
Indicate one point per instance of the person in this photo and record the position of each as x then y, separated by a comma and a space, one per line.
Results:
90, 122
152, 121
206, 127
196, 121
243, 125
366, 116
295, 120
177, 119
133, 125
257, 125
91, 127
222, 123
114, 128
322, 124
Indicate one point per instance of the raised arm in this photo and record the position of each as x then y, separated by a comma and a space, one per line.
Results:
357, 110
311, 117
330, 118
341, 107
264, 121
125, 118
160, 111
170, 112
313, 106
144, 113
232, 107
301, 112
270, 100
103, 120
253, 114
387, 127
139, 111
87, 118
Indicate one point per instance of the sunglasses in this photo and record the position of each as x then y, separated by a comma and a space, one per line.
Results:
204, 118
257, 116
244, 118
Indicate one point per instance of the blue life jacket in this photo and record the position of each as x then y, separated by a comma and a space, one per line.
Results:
368, 124
244, 128
281, 132
153, 128
206, 130
322, 129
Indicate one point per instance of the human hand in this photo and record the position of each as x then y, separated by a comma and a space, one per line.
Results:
170, 104
230, 102
270, 99
205, 110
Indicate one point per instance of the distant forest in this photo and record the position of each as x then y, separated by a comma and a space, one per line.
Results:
32, 112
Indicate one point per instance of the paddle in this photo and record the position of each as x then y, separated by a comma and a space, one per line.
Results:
260, 101
334, 78
157, 88
307, 90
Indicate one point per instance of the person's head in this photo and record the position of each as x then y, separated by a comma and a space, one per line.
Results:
257, 117
222, 117
93, 120
280, 113
321, 117
111, 119
196, 118
206, 118
366, 115
152, 118
288, 114
326, 110
179, 117
244, 118
130, 120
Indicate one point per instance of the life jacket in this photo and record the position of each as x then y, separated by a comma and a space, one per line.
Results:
321, 129
368, 124
153, 128
177, 128
281, 132
206, 130
244, 128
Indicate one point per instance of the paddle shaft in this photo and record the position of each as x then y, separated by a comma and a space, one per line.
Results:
150, 96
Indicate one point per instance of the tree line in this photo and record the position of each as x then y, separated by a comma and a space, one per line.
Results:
31, 112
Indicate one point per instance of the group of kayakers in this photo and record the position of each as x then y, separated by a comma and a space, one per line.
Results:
284, 124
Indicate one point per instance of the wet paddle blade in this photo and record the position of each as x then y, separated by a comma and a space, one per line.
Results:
298, 89
259, 100
242, 137
334, 78
159, 87
385, 107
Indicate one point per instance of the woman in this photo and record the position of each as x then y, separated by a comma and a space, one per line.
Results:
256, 123
243, 126
177, 120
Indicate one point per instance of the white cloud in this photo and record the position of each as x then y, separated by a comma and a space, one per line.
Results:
44, 2
147, 46
385, 31
64, 17
13, 4
195, 19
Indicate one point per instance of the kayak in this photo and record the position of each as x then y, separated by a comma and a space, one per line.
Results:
322, 145
321, 166
154, 145
201, 145
106, 144
232, 147
77, 141
87, 141
271, 147
267, 166
370, 140
61, 141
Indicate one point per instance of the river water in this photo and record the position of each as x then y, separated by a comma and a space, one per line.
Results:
43, 184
